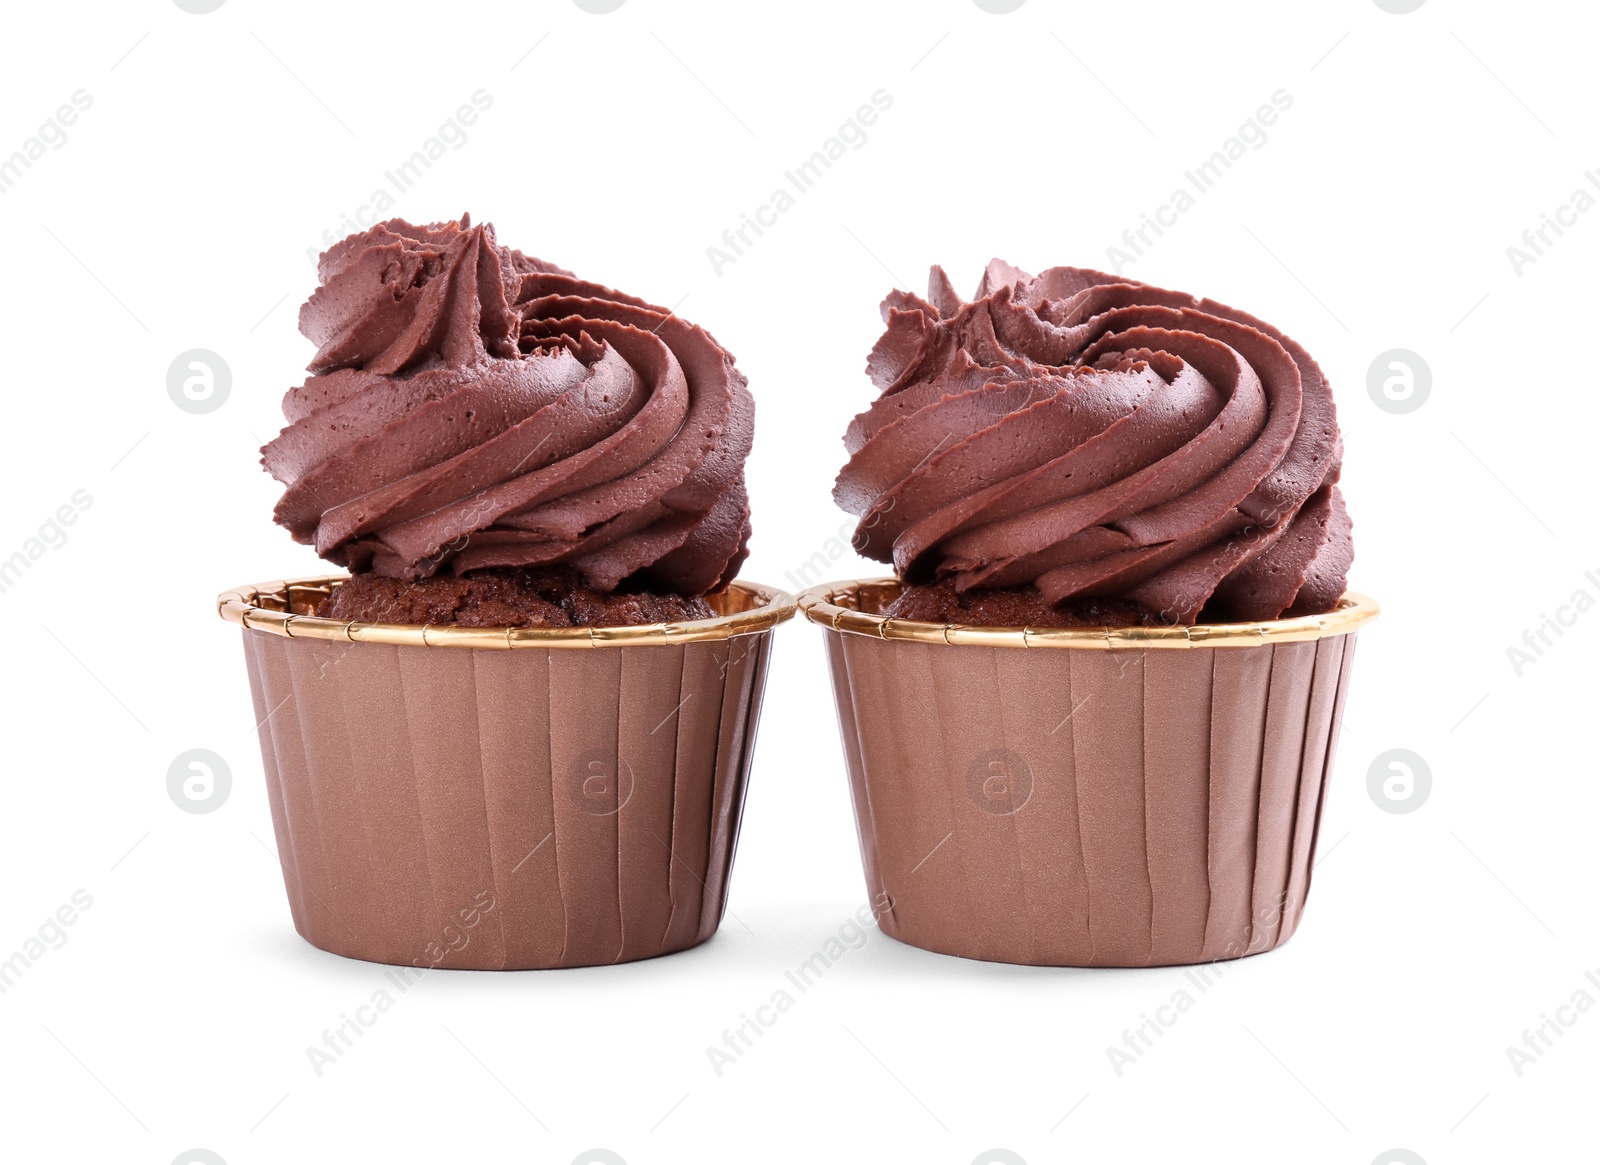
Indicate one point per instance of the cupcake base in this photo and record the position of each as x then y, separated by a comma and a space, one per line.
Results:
551, 596
1013, 607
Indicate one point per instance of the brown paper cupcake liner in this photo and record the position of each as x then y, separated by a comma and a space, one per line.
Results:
493, 799
1149, 796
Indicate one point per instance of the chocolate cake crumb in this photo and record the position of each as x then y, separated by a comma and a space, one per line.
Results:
1014, 607
505, 597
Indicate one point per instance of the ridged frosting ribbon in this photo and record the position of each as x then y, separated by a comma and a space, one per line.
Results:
1099, 437
472, 407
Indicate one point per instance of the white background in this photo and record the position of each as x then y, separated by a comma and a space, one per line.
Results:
1377, 215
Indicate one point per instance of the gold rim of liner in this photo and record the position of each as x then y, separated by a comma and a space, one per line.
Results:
838, 606
275, 608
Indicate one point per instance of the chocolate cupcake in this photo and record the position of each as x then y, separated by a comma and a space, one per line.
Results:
518, 733
1148, 483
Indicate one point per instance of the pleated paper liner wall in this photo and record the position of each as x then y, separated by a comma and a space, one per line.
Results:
493, 799
1087, 798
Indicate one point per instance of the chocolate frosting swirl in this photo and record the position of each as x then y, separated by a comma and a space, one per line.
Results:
1098, 437
472, 407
